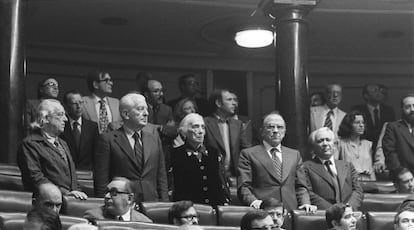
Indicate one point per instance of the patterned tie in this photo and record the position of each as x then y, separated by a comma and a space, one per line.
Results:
277, 163
334, 178
139, 153
328, 121
103, 117
61, 151
76, 133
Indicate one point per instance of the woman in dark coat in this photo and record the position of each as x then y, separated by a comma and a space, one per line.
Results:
198, 172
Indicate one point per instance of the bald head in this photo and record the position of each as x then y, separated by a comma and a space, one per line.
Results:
48, 196
134, 111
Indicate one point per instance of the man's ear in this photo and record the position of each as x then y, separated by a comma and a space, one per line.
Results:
176, 221
218, 103
124, 114
33, 202
335, 223
131, 197
95, 85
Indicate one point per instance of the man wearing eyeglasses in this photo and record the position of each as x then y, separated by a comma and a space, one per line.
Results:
258, 220
132, 152
275, 209
404, 219
182, 213
119, 204
341, 217
98, 106
80, 134
43, 157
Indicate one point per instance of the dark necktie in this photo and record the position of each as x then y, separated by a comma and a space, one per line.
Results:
138, 150
61, 151
328, 120
155, 110
103, 117
334, 178
76, 134
120, 218
277, 163
376, 118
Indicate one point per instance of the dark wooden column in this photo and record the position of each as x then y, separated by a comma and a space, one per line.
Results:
291, 68
12, 73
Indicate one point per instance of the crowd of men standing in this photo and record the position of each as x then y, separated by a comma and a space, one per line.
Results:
194, 149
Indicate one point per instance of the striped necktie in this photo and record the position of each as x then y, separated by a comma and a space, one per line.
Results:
277, 163
328, 120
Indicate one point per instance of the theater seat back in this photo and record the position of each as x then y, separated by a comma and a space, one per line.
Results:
231, 215
382, 202
121, 225
303, 221
15, 201
76, 207
380, 220
158, 212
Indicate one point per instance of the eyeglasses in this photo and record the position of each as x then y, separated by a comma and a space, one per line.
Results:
106, 80
356, 215
268, 227
51, 84
276, 214
190, 217
158, 91
114, 192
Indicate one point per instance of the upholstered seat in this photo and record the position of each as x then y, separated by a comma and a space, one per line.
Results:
380, 220
158, 212
11, 170
377, 186
87, 187
84, 175
382, 202
11, 182
15, 201
231, 215
303, 221
113, 225
76, 207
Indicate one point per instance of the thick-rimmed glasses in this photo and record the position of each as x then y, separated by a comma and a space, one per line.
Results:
51, 84
268, 227
190, 217
114, 192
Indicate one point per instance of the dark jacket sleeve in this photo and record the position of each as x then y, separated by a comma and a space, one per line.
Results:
357, 194
101, 166
390, 149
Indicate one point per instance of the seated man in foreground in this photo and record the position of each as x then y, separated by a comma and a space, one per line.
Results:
47, 195
119, 204
182, 213
341, 217
257, 219
404, 219
403, 180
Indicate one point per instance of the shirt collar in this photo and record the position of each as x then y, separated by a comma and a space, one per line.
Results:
97, 99
371, 108
127, 215
49, 137
331, 159
129, 132
268, 147
71, 121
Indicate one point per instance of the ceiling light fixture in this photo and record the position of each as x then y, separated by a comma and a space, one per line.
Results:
254, 37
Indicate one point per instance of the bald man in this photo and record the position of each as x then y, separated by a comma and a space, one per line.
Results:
48, 196
43, 157
132, 152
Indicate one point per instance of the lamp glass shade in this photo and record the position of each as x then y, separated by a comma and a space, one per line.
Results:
254, 38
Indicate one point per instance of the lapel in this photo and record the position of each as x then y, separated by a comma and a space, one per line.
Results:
342, 171
70, 160
319, 169
215, 131
90, 107
288, 161
86, 129
122, 141
266, 161
406, 133
68, 134
147, 146
111, 106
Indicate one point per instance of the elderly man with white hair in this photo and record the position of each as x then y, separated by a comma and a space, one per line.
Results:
132, 152
45, 158
198, 173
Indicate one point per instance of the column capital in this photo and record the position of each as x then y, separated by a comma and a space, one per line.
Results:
289, 9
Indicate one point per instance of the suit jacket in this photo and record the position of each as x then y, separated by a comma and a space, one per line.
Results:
40, 161
258, 179
89, 111
163, 116
82, 156
321, 188
318, 117
372, 132
101, 214
398, 146
201, 181
238, 140
114, 156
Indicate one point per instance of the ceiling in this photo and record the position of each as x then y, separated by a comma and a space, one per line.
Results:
352, 31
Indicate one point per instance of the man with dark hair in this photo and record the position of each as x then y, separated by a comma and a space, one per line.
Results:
98, 106
224, 133
272, 170
257, 219
403, 180
80, 134
141, 81
42, 219
190, 88
328, 115
43, 157
132, 152
404, 219
119, 204
330, 181
341, 217
47, 195
398, 141
375, 112
275, 209
182, 213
